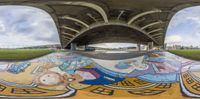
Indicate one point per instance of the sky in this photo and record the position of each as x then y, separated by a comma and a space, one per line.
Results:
22, 26
184, 28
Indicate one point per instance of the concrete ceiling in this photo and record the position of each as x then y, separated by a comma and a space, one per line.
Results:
94, 21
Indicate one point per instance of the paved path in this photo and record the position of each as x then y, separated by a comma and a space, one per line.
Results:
67, 75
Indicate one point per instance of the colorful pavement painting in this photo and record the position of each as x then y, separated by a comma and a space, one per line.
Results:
67, 75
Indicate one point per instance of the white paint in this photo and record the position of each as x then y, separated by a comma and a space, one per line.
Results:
110, 64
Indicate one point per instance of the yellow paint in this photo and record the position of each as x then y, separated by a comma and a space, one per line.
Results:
8, 91
24, 77
171, 93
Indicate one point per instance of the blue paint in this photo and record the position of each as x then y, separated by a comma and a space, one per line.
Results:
122, 65
103, 79
110, 72
17, 68
136, 73
154, 59
70, 65
160, 78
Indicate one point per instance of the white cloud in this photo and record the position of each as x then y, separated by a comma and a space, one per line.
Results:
2, 27
184, 28
173, 39
26, 26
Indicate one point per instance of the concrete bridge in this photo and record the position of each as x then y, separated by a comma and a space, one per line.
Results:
95, 21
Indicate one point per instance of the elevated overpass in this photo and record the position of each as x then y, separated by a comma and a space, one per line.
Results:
96, 21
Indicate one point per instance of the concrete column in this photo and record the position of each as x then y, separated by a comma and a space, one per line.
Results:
86, 46
73, 46
165, 46
139, 47
150, 45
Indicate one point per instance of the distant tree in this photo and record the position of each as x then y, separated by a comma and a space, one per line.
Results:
182, 47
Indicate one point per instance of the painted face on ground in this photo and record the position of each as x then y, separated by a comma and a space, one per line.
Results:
50, 79
75, 78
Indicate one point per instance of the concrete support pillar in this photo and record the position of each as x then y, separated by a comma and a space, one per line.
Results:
86, 46
73, 46
150, 45
165, 46
147, 46
139, 47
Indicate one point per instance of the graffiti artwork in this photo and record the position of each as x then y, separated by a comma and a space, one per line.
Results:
67, 75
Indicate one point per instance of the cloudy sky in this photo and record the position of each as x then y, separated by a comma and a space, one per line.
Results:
28, 26
184, 28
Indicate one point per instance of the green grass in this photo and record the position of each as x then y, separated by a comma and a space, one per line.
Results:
190, 54
22, 54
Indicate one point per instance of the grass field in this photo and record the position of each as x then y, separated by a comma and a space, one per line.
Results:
190, 54
22, 54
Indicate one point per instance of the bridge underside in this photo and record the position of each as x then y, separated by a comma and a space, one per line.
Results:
94, 21
112, 33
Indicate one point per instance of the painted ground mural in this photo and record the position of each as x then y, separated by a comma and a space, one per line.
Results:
68, 75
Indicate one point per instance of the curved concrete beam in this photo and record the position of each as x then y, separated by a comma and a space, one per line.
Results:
156, 34
93, 18
155, 30
112, 23
71, 29
74, 19
120, 14
65, 37
65, 40
151, 24
143, 14
64, 33
93, 6
158, 37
